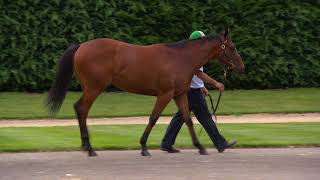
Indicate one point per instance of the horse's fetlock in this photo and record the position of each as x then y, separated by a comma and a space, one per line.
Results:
196, 144
143, 141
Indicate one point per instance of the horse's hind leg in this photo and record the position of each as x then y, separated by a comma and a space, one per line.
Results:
82, 107
182, 103
161, 103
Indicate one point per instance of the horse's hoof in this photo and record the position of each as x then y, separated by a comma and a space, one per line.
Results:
145, 153
92, 153
203, 152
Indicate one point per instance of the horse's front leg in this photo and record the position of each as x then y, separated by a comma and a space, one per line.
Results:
182, 103
161, 103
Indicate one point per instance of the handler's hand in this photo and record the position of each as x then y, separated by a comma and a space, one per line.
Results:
220, 86
204, 91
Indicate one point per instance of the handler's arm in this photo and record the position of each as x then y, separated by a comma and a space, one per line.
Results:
207, 79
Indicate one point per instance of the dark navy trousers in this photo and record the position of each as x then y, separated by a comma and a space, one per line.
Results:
198, 105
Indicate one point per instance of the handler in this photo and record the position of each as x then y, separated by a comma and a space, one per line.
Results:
198, 106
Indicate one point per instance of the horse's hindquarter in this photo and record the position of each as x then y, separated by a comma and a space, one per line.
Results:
93, 62
143, 70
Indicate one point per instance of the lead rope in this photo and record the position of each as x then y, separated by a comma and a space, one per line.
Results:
214, 108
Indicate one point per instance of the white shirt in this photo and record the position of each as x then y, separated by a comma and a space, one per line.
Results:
197, 82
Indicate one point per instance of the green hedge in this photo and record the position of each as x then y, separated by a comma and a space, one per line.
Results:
278, 40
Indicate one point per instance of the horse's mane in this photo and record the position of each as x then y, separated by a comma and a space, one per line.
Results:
184, 42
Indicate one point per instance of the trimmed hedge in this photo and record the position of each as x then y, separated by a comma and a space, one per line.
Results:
278, 40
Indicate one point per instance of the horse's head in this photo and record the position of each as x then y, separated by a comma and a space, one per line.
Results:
229, 55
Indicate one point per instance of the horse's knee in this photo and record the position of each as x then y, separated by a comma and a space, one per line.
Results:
152, 121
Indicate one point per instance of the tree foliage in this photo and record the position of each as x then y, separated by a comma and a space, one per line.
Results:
278, 40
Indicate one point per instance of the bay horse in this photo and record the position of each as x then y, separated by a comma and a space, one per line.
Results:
161, 70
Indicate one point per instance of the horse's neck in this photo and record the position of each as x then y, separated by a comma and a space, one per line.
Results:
199, 53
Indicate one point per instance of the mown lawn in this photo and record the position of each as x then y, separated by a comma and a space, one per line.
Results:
127, 136
28, 106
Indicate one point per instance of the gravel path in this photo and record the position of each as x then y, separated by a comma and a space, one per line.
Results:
240, 164
248, 118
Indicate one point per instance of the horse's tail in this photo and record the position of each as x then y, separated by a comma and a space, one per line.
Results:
64, 74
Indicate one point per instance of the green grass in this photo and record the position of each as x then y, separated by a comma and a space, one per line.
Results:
28, 106
127, 136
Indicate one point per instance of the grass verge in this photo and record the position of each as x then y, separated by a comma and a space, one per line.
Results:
127, 136
296, 100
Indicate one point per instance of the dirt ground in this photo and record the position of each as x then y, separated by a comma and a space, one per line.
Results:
248, 118
240, 164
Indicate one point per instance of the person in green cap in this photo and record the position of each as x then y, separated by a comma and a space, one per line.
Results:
198, 105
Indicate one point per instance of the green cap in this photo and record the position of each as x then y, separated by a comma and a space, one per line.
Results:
196, 35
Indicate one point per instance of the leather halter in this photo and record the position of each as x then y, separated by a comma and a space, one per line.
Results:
229, 60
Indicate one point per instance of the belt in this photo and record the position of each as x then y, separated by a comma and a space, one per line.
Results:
195, 89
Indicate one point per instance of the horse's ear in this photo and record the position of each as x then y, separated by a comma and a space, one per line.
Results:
226, 32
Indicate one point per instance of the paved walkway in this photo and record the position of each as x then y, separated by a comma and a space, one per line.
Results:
248, 118
239, 164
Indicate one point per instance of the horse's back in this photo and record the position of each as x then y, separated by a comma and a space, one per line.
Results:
111, 48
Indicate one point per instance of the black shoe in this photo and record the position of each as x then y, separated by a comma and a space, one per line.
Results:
169, 149
226, 145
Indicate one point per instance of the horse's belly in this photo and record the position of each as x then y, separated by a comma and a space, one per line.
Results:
136, 87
